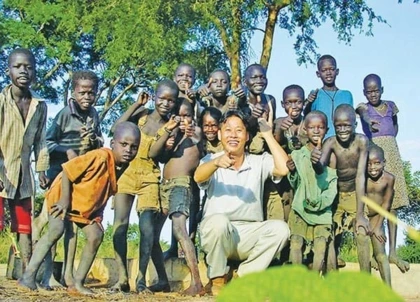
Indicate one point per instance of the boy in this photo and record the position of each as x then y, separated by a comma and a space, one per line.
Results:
329, 97
142, 179
215, 92
74, 131
22, 118
288, 132
350, 150
183, 151
311, 216
79, 194
379, 188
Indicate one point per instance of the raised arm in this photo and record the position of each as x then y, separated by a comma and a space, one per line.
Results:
279, 155
134, 112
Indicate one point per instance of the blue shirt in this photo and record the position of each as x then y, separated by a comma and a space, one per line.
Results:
327, 101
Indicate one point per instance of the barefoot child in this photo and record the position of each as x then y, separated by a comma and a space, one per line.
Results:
379, 188
79, 194
74, 131
289, 133
142, 179
311, 216
380, 124
350, 150
183, 151
329, 97
22, 118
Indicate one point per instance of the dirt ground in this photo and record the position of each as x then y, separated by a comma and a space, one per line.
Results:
10, 291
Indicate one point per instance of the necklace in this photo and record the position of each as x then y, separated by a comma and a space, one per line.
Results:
332, 101
381, 107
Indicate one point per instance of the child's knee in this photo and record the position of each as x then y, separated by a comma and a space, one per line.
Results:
296, 242
381, 258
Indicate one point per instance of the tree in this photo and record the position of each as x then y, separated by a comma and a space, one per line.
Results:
236, 20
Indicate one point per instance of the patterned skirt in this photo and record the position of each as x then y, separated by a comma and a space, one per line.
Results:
394, 165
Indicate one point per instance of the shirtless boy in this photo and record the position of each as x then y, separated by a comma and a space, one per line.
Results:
23, 117
350, 149
142, 179
79, 194
183, 152
379, 188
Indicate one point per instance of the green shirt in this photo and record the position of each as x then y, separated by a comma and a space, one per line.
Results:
314, 194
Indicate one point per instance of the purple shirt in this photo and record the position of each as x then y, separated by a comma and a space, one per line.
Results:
386, 123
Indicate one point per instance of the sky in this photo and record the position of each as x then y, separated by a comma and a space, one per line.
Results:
393, 53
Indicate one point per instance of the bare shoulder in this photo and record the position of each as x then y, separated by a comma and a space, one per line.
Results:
388, 177
361, 140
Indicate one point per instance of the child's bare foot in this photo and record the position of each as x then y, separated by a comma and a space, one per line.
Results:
52, 284
43, 286
142, 289
194, 290
404, 266
29, 284
170, 254
120, 287
83, 289
160, 287
67, 281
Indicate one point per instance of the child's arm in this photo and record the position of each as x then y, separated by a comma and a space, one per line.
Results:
40, 148
63, 204
394, 116
159, 146
309, 101
377, 229
279, 155
134, 112
362, 111
361, 220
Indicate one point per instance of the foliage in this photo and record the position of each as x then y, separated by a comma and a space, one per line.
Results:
348, 249
411, 213
410, 251
295, 283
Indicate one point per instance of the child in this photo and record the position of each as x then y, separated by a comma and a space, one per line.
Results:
311, 216
350, 150
379, 188
209, 123
74, 131
380, 124
329, 97
142, 179
22, 118
289, 133
79, 194
215, 92
183, 153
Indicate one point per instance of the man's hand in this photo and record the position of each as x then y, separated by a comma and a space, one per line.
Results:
142, 99
312, 95
224, 161
71, 154
43, 180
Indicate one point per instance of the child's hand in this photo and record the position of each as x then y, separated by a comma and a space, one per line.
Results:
189, 128
1, 186
224, 161
71, 154
312, 95
362, 223
170, 143
239, 92
258, 111
142, 99
60, 208
379, 234
316, 155
290, 164
173, 122
191, 94
286, 123
204, 90
43, 180
232, 102
374, 126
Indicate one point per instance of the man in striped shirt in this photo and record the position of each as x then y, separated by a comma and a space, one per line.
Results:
22, 118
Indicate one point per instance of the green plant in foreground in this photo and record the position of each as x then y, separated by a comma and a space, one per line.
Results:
296, 284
